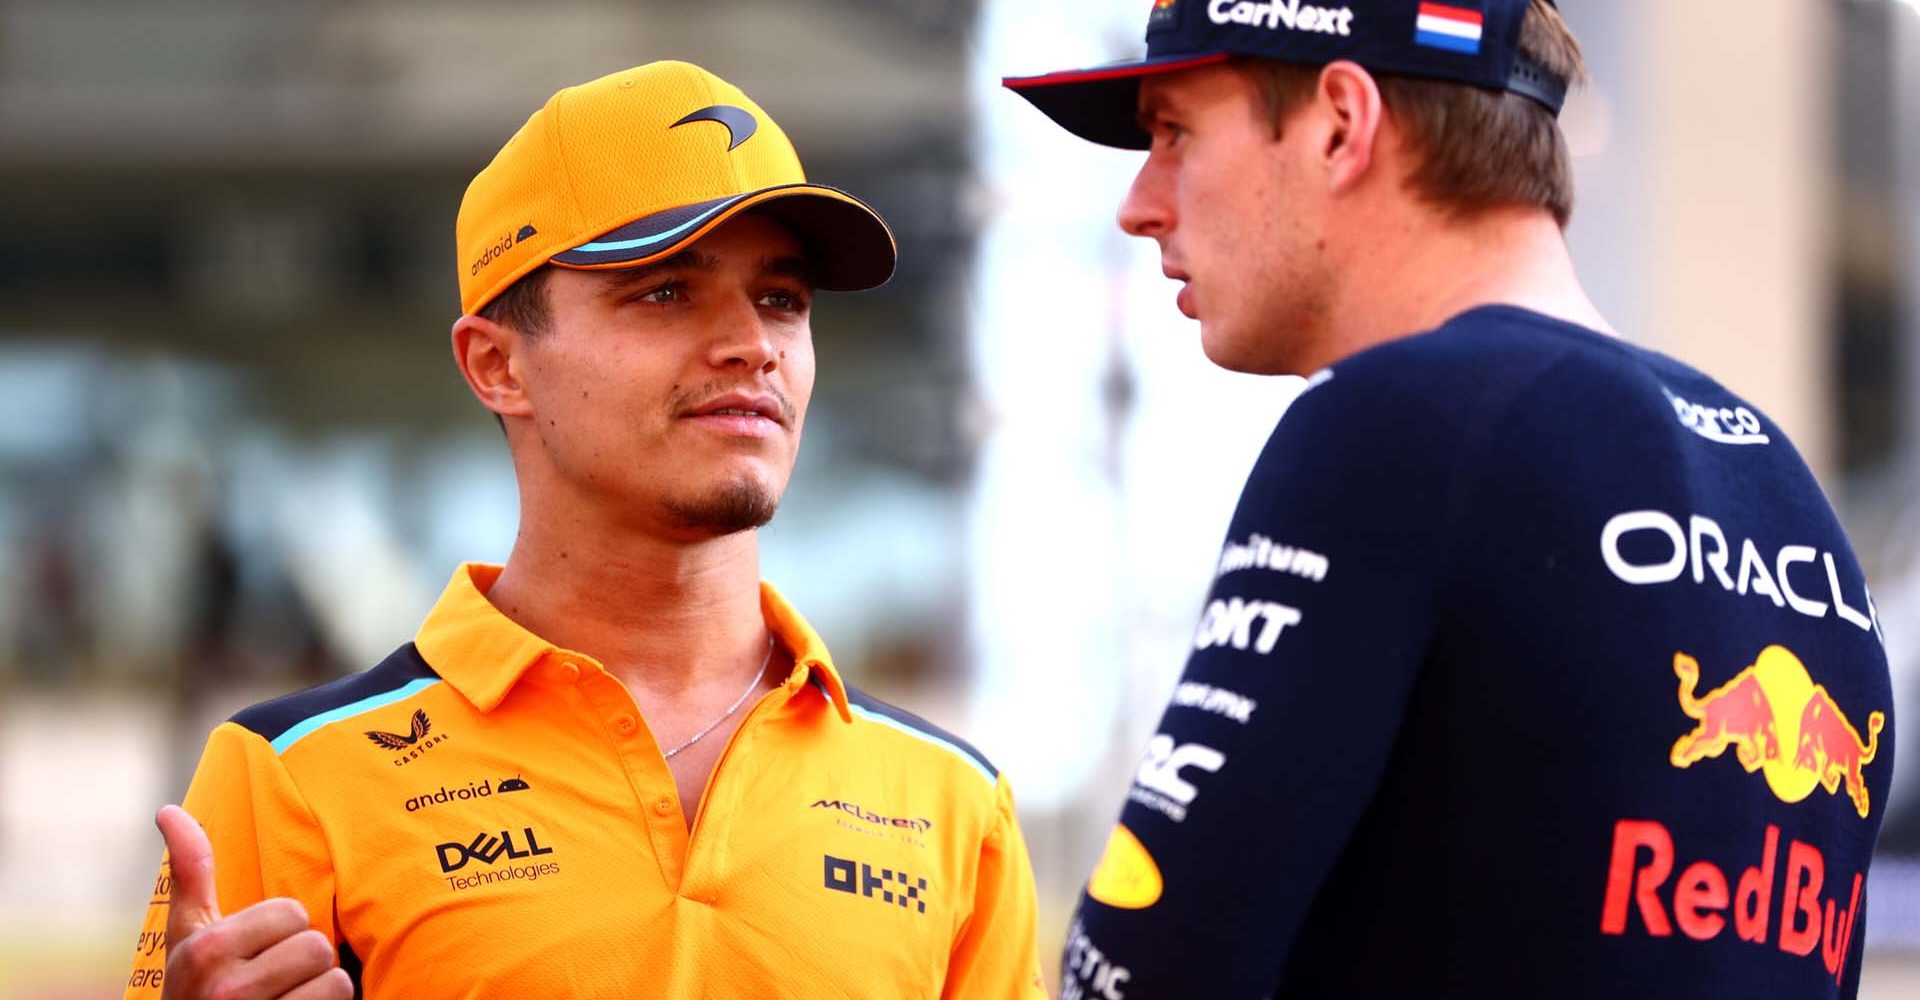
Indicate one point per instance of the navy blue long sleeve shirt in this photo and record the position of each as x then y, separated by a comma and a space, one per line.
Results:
1535, 664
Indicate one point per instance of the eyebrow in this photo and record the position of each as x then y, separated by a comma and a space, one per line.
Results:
789, 266
623, 280
1151, 106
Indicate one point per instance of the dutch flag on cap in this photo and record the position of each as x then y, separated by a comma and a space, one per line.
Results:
1455, 29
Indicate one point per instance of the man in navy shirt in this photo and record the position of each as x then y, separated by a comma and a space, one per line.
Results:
1535, 663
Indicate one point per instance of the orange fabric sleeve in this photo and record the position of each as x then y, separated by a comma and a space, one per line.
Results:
995, 954
266, 843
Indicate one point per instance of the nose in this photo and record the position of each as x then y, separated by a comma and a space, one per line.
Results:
742, 338
1147, 211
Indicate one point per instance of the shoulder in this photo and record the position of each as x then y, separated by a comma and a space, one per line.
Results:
1409, 410
1407, 433
285, 720
1491, 351
935, 746
1501, 351
1501, 371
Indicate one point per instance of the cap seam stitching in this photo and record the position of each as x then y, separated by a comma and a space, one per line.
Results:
566, 163
733, 163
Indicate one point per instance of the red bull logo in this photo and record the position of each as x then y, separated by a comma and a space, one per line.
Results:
1779, 723
1706, 900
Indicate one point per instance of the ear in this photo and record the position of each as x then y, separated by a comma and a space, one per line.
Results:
490, 357
1351, 98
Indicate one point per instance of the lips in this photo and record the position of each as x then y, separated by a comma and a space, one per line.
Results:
1184, 299
740, 404
741, 416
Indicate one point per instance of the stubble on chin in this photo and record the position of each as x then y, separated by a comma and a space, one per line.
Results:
741, 504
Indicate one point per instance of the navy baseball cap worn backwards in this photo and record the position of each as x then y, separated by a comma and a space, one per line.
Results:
1474, 42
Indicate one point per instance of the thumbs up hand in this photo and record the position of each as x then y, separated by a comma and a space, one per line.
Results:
265, 951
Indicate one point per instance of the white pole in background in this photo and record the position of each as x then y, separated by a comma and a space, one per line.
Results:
1110, 451
1906, 126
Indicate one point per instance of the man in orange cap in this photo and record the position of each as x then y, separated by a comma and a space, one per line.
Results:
620, 764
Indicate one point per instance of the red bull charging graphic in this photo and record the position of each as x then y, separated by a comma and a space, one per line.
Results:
1779, 723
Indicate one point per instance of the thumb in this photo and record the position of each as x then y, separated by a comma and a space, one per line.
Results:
190, 855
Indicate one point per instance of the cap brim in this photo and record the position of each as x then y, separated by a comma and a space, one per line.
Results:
1102, 103
847, 243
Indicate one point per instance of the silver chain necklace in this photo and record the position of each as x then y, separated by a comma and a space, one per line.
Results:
735, 707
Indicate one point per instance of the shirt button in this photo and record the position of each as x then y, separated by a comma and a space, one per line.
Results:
571, 671
624, 725
663, 805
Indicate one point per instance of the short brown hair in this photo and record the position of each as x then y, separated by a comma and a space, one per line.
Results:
1478, 149
523, 304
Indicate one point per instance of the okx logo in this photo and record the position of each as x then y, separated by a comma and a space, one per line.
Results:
858, 879
488, 848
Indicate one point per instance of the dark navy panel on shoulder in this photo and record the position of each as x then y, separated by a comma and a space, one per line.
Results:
351, 963
271, 719
863, 700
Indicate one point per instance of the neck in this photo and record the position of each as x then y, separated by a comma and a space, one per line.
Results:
666, 616
1438, 267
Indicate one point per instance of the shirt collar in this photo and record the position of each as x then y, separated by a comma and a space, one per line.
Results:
810, 657
483, 653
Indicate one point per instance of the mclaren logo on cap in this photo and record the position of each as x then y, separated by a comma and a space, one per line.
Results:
740, 122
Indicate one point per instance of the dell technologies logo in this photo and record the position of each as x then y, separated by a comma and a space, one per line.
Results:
487, 848
490, 849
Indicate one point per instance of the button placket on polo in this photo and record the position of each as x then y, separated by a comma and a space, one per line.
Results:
656, 799
707, 851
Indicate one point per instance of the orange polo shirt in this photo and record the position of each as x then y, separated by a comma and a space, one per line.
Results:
485, 814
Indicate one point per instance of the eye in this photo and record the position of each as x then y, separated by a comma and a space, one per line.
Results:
1167, 132
671, 292
785, 300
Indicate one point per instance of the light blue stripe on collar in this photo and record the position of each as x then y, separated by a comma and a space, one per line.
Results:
872, 716
307, 727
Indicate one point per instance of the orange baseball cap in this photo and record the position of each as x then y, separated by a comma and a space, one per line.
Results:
632, 167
